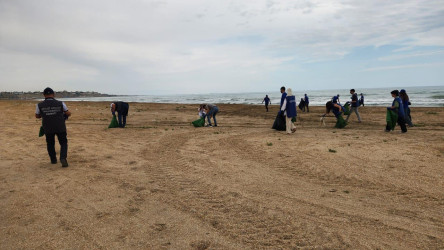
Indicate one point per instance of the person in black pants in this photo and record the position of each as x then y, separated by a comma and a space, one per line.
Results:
122, 112
54, 113
398, 108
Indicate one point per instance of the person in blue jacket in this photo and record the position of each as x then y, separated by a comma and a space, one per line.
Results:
289, 109
406, 102
362, 100
307, 101
267, 101
284, 95
337, 110
398, 107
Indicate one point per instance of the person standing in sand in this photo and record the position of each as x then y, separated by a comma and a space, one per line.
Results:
398, 108
289, 109
54, 113
306, 100
406, 102
211, 110
354, 105
267, 101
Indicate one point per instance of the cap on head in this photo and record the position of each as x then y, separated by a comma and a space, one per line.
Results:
402, 91
48, 91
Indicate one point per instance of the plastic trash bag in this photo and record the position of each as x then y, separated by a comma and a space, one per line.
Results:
199, 122
114, 123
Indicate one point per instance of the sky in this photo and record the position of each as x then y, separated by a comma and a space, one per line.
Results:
142, 47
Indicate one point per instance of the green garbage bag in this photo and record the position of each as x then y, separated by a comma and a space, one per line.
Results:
114, 123
199, 122
41, 131
340, 122
347, 109
391, 118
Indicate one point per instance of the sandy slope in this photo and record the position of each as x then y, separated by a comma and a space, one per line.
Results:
161, 183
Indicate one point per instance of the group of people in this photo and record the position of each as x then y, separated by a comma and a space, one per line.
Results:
400, 110
54, 113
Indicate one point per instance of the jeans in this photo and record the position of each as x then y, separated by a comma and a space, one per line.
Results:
50, 145
212, 113
354, 109
122, 120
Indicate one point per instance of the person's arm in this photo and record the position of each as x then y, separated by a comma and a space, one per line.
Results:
37, 112
284, 105
113, 108
65, 110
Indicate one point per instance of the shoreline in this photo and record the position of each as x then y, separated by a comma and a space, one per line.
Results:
196, 104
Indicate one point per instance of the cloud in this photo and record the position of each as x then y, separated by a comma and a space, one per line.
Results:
396, 67
151, 44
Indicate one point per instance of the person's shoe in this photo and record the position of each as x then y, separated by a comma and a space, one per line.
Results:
64, 162
215, 125
293, 130
53, 161
209, 125
386, 130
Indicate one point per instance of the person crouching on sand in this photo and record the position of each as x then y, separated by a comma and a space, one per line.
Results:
211, 110
289, 109
337, 110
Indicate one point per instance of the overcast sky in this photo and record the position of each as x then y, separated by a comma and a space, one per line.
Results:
212, 46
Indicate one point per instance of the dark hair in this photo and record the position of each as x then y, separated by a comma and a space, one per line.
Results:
282, 88
395, 92
48, 91
328, 107
352, 90
404, 96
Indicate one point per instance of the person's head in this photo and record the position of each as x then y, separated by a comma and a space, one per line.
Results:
282, 89
403, 95
266, 95
395, 93
305, 94
361, 93
352, 91
289, 92
48, 92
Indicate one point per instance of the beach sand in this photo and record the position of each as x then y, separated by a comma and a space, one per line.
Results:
162, 184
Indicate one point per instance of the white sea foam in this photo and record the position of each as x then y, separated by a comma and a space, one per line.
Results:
419, 97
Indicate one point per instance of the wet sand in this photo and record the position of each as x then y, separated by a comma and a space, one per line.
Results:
162, 184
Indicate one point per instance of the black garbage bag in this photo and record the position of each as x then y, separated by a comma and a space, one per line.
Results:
279, 122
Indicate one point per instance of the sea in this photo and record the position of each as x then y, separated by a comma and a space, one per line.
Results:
432, 96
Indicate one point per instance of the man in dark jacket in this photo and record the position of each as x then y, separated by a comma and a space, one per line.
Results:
54, 113
122, 112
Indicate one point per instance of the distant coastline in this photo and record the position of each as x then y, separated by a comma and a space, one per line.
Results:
21, 95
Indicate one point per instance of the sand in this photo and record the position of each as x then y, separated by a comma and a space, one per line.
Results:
162, 184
